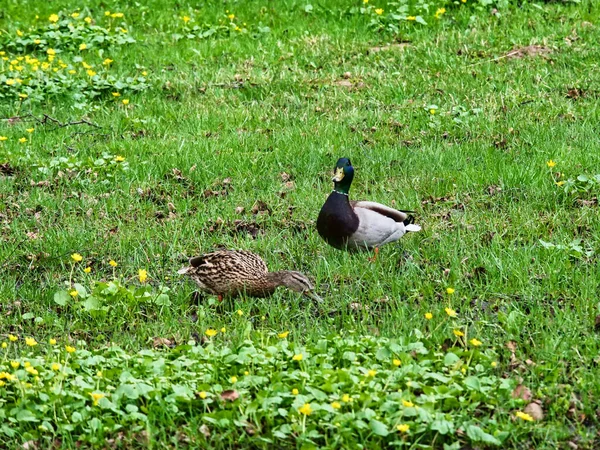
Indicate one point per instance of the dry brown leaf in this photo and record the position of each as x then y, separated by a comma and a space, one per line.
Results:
260, 207
205, 430
230, 395
521, 392
535, 411
161, 342
240, 210
530, 50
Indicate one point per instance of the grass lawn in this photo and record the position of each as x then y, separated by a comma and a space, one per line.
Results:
156, 131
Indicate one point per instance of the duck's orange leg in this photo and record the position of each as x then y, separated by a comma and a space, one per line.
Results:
375, 253
220, 298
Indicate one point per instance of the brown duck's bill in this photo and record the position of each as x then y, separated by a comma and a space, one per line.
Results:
313, 295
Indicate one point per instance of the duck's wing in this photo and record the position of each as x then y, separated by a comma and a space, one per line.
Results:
221, 262
394, 214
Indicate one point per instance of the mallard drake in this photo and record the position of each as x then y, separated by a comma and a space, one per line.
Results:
351, 225
229, 273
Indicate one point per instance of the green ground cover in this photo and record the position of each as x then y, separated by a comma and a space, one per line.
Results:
146, 133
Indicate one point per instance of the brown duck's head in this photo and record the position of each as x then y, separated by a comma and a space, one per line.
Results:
296, 281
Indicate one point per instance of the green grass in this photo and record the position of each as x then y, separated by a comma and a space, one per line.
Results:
249, 107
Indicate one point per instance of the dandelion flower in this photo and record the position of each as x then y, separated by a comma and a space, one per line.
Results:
52, 341
210, 332
397, 362
346, 398
336, 405
29, 130
371, 373
112, 263
223, 330
475, 342
31, 371
12, 338
440, 12
450, 312
22, 140
283, 335
87, 269
19, 33
233, 380
107, 61
144, 73
73, 293
202, 395
126, 101
231, 16
524, 416
379, 11
403, 427
53, 18
458, 333
551, 164
428, 316
96, 396
408, 404
91, 73
88, 20
82, 46
70, 349
15, 364
297, 357
30, 342
51, 51
186, 19
76, 257
450, 291
143, 275
295, 391
240, 312
305, 409
4, 345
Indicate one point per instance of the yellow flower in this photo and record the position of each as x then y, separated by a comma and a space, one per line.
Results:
3, 138
22, 140
99, 374
91, 73
560, 183
23, 95
295, 391
365, 1
440, 12
12, 338
107, 61
76, 257
397, 362
371, 373
52, 341
432, 111
8, 376
53, 18
75, 15
31, 370
336, 405
142, 274
2, 383
450, 291
551, 164
379, 11
88, 20
72, 72
10, 82
112, 263
231, 16
70, 349
116, 15
475, 342
240, 312
297, 357
19, 33
305, 409
15, 364
246, 373
55, 367
87, 269
233, 380
283, 335
107, 13
428, 316
346, 398
73, 293
4, 345
116, 94
202, 395
403, 427
524, 416
450, 312
411, 18
186, 19
494, 364
82, 46
144, 73
458, 333
126, 101
408, 404
210, 332
464, 1
96, 396
223, 330
30, 341
30, 130
123, 30
85, 65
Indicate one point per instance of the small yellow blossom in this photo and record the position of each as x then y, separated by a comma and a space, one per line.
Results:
91, 73
336, 405
53, 18
440, 12
4, 345
143, 275
371, 373
107, 61
76, 257
23, 95
119, 15
82, 46
107, 13
246, 373
88, 20
295, 391
346, 398
458, 333
73, 293
186, 19
99, 374
560, 183
494, 364
305, 409
75, 15
7, 376
26, 364
450, 312
22, 140
144, 73
72, 72
19, 33
233, 380
96, 396
408, 404
240, 312
15, 364
116, 94
3, 138
87, 269
2, 383
283, 335
450, 291
126, 101
12, 338
403, 427
30, 130
52, 341
297, 357
30, 341
551, 164
428, 316
70, 349
411, 18
365, 1
85, 65
210, 332
397, 362
379, 11
112, 263
202, 395
55, 367
119, 158
524, 416
231, 16
31, 370
223, 330
475, 342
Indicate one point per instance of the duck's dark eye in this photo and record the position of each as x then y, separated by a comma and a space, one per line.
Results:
348, 163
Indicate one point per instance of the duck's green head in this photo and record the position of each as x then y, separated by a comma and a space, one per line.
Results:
343, 174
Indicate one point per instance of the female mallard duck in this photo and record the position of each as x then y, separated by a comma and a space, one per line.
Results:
229, 273
352, 225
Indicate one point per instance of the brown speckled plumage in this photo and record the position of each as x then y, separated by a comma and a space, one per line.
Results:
230, 273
